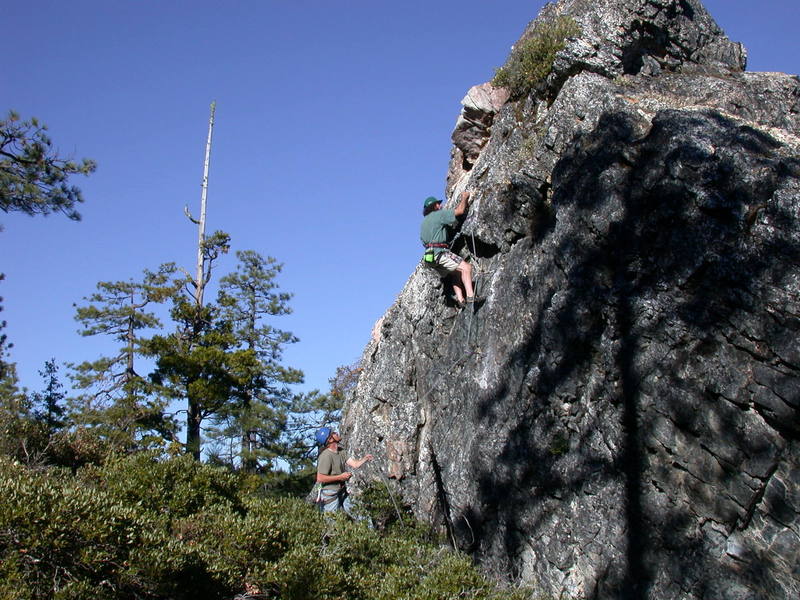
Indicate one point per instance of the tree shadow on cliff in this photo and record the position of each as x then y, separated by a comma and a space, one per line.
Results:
648, 223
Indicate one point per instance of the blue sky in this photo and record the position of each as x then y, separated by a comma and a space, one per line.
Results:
333, 124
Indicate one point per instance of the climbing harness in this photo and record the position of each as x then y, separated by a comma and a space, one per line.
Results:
430, 255
324, 498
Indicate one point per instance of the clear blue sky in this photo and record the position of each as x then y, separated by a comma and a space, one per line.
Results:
333, 124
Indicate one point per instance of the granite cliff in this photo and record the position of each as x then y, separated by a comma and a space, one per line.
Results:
619, 417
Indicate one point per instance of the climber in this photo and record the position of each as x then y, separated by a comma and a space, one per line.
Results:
331, 473
436, 233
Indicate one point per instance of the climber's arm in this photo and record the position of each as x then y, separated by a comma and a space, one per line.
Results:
463, 203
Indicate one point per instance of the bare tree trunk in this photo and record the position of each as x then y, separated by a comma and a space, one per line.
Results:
130, 342
194, 416
200, 282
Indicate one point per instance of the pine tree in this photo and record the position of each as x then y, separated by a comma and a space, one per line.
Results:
259, 420
199, 361
49, 403
33, 177
225, 362
124, 406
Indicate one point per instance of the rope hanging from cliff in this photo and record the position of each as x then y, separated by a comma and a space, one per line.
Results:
463, 357
389, 491
476, 261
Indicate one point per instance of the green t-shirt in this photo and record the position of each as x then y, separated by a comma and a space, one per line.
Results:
331, 463
435, 228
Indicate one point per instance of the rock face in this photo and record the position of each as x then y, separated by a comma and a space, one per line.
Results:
620, 417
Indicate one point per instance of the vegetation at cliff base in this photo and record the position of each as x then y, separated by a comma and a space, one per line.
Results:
531, 60
149, 526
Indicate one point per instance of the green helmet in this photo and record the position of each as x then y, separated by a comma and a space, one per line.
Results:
430, 200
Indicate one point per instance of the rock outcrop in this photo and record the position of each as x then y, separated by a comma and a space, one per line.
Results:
620, 417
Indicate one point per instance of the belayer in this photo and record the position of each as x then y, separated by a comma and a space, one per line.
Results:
437, 232
330, 471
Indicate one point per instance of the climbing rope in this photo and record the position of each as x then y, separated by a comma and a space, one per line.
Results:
385, 481
464, 357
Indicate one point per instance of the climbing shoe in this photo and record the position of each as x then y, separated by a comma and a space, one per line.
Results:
455, 300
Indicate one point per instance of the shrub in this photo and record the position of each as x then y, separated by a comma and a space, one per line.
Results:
531, 60
177, 487
387, 512
145, 527
29, 440
57, 537
282, 484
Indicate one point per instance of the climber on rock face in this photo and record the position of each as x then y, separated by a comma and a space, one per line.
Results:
437, 232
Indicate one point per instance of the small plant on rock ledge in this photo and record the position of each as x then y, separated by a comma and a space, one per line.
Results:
531, 60
559, 445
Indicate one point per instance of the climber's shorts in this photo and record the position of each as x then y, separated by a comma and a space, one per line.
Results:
446, 262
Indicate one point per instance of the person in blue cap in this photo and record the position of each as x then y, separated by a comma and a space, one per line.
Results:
331, 470
437, 232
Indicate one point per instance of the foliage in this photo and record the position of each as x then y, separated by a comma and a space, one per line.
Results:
386, 510
142, 526
33, 177
48, 404
119, 403
253, 428
4, 343
531, 60
224, 360
221, 358
200, 361
27, 438
314, 410
285, 484
343, 384
22, 436
178, 486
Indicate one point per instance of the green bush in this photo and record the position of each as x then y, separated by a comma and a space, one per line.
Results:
57, 537
531, 60
177, 487
386, 511
282, 484
29, 440
146, 527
